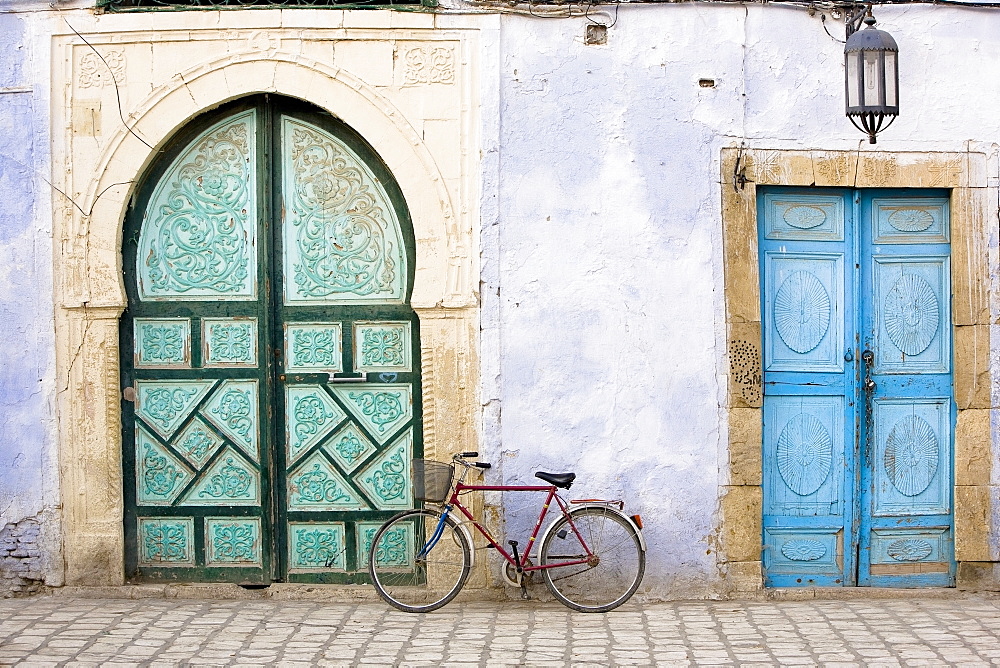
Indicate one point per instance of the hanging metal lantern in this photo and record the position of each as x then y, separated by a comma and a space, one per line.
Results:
870, 59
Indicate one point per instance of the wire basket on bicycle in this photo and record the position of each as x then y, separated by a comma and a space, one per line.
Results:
431, 480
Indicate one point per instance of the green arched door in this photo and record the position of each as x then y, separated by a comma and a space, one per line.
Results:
269, 353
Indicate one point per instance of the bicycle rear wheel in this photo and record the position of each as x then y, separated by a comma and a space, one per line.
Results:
611, 577
417, 563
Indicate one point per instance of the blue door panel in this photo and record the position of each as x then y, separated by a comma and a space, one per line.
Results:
803, 556
805, 315
804, 441
911, 464
912, 315
803, 216
857, 482
905, 220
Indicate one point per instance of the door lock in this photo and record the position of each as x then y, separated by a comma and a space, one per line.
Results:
870, 385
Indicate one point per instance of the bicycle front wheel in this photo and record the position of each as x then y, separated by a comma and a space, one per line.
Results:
610, 576
418, 562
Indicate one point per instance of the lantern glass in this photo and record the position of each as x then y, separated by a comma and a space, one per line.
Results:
872, 80
890, 79
853, 80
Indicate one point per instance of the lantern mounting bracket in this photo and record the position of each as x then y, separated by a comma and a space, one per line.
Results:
855, 16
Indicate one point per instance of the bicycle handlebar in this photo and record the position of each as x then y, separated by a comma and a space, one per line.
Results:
460, 459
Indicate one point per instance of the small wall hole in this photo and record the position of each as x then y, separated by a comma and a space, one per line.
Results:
596, 34
706, 83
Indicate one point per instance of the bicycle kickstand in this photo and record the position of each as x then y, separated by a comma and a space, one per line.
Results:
520, 571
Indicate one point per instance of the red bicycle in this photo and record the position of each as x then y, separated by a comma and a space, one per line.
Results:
592, 556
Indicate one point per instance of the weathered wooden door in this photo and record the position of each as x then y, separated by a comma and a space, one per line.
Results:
272, 393
858, 409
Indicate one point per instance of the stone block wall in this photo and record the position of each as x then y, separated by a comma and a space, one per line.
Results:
22, 567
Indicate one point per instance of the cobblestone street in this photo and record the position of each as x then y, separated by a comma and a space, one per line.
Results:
897, 632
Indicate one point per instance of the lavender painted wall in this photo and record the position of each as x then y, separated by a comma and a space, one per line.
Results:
29, 535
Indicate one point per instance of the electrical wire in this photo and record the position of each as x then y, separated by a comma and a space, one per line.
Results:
823, 19
114, 80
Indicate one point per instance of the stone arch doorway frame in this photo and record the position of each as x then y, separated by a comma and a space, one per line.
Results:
90, 297
965, 174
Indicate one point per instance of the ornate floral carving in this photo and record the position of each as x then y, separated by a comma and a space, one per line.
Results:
803, 550
233, 542
164, 541
235, 408
911, 314
911, 220
158, 475
804, 217
341, 237
834, 169
804, 454
198, 234
879, 171
802, 311
231, 342
314, 348
383, 346
382, 408
350, 447
388, 480
911, 455
310, 414
391, 548
232, 481
909, 549
97, 73
317, 548
316, 486
426, 65
161, 343
164, 404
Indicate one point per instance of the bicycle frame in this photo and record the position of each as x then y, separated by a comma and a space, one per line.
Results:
455, 502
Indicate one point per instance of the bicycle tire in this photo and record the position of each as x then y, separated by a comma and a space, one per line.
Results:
608, 583
412, 582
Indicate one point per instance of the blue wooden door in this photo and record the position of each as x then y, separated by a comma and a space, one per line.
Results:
858, 411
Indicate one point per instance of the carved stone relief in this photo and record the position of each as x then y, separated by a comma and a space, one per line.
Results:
96, 73
429, 65
879, 171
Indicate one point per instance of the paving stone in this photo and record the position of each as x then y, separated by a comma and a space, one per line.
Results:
48, 631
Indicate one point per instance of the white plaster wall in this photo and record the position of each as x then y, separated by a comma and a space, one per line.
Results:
602, 291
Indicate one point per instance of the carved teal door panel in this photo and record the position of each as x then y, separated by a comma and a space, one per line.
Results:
856, 476
268, 261
350, 387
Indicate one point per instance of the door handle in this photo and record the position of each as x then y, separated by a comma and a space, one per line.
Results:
868, 357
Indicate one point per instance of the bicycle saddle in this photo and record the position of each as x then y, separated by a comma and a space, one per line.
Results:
563, 480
